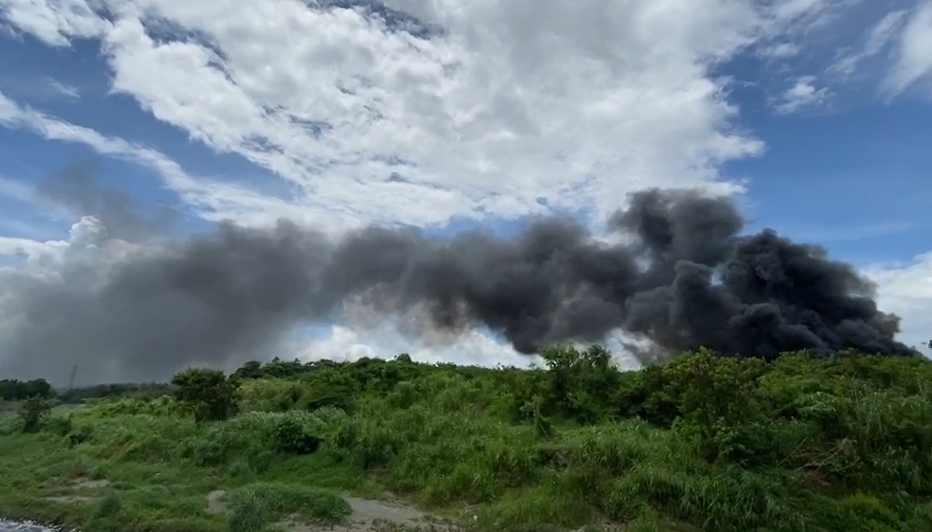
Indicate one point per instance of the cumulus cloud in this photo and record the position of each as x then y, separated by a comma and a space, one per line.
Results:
906, 289
496, 108
31, 249
88, 249
415, 111
344, 342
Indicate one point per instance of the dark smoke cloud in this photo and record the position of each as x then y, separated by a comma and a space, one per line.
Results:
683, 277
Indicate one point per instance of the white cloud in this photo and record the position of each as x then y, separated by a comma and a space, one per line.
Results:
63, 89
802, 95
32, 249
874, 42
806, 12
88, 231
913, 51
19, 191
783, 50
15, 189
906, 290
353, 343
383, 340
87, 234
512, 102
212, 199
808, 233
53, 22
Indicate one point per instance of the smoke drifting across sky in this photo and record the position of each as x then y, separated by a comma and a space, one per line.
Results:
682, 276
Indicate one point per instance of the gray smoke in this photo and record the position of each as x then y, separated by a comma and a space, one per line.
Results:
76, 189
683, 277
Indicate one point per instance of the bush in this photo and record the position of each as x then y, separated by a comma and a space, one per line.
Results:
33, 412
703, 442
583, 384
270, 501
246, 514
293, 437
206, 393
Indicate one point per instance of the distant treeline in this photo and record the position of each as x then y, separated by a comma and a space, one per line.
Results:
372, 372
17, 390
282, 369
131, 389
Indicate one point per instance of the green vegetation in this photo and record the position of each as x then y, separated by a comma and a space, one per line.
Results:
14, 390
702, 443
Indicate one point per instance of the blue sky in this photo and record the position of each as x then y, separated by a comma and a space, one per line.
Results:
815, 113
853, 180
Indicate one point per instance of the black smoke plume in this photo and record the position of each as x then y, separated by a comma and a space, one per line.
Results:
683, 276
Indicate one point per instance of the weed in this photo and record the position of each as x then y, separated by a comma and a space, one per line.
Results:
834, 444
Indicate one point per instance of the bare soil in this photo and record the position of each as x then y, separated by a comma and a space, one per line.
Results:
368, 515
81, 484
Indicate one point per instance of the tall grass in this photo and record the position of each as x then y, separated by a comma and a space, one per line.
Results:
702, 444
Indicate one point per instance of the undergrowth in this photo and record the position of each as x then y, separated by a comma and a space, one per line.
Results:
702, 443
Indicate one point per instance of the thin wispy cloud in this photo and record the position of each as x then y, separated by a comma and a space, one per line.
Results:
16, 189
875, 42
803, 94
783, 50
212, 199
913, 53
851, 234
63, 89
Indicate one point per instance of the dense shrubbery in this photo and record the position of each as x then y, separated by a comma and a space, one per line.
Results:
700, 443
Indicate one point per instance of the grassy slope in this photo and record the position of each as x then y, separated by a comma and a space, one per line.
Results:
703, 443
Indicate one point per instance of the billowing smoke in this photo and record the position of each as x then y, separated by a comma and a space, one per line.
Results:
678, 273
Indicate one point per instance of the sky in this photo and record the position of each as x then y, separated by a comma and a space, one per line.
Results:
447, 115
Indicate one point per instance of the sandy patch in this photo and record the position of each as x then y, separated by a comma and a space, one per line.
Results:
215, 505
88, 484
375, 516
80, 485
368, 516
72, 499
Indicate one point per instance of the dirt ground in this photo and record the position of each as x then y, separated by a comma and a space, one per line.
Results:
368, 516
84, 484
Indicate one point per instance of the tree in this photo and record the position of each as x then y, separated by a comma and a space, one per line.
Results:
33, 412
583, 383
249, 370
16, 390
207, 393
